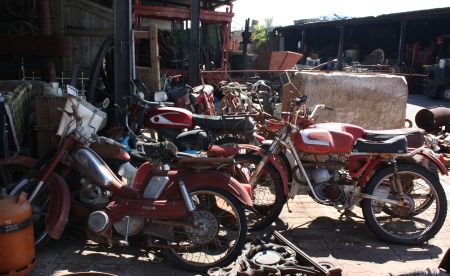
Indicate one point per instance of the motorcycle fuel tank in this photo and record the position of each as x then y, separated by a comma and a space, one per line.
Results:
168, 117
322, 141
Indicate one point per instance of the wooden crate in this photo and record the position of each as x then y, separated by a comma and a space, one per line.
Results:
47, 121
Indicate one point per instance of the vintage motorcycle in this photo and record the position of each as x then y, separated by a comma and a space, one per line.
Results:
198, 99
195, 212
187, 130
398, 188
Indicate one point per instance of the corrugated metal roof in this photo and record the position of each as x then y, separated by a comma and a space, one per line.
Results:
411, 15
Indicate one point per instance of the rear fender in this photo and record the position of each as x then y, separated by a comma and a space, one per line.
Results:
217, 181
428, 156
59, 208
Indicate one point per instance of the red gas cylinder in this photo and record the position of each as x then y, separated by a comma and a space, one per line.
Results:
17, 252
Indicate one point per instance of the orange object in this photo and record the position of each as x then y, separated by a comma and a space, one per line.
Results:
17, 252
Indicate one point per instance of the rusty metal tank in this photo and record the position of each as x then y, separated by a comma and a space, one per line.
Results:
431, 119
17, 251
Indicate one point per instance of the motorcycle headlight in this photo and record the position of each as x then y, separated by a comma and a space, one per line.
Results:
160, 96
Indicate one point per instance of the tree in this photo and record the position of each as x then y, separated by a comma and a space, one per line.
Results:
261, 33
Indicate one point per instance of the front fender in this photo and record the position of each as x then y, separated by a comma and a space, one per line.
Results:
219, 181
58, 212
282, 174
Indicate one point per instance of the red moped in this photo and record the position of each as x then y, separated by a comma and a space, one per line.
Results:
195, 212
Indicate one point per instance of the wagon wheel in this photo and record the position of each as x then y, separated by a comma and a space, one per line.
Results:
22, 28
375, 57
20, 8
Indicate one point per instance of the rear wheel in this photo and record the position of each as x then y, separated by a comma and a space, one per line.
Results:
219, 234
267, 195
422, 216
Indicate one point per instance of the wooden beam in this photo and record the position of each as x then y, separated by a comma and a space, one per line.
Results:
150, 75
154, 57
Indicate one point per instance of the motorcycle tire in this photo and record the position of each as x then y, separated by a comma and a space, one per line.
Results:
387, 222
237, 223
268, 214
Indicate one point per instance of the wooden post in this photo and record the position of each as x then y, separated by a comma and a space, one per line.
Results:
154, 58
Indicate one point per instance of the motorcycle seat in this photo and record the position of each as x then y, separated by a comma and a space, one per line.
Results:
393, 145
414, 136
233, 124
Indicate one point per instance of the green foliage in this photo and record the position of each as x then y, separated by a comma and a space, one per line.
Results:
261, 33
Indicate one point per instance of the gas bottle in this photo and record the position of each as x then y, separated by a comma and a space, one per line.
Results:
17, 252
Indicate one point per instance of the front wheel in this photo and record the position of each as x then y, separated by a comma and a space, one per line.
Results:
40, 206
420, 219
219, 234
267, 194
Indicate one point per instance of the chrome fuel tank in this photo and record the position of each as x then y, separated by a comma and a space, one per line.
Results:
91, 165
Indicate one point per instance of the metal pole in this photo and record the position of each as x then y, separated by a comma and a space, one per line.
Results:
341, 48
302, 49
122, 56
246, 35
401, 43
195, 36
3, 128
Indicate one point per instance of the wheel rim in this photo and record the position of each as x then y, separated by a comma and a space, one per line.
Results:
217, 217
263, 192
409, 222
40, 205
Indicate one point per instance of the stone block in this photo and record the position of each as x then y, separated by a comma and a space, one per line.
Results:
372, 101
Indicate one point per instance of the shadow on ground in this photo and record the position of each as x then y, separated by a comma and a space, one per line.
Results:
350, 239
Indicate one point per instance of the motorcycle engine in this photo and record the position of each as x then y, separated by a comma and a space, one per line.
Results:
92, 196
327, 175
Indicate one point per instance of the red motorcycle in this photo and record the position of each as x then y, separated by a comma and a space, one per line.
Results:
197, 218
397, 187
187, 130
198, 99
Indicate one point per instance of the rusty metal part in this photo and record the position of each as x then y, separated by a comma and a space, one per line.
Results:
273, 259
304, 259
433, 118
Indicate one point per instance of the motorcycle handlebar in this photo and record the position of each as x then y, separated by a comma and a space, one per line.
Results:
111, 141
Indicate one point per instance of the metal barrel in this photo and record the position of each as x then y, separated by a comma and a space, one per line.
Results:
433, 118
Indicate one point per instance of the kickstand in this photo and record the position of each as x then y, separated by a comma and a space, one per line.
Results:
347, 213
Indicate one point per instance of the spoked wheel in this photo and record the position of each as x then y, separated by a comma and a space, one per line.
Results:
219, 235
422, 216
40, 205
267, 194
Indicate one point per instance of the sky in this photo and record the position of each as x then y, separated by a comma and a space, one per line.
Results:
284, 12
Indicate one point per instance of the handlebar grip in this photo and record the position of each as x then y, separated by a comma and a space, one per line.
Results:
329, 108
